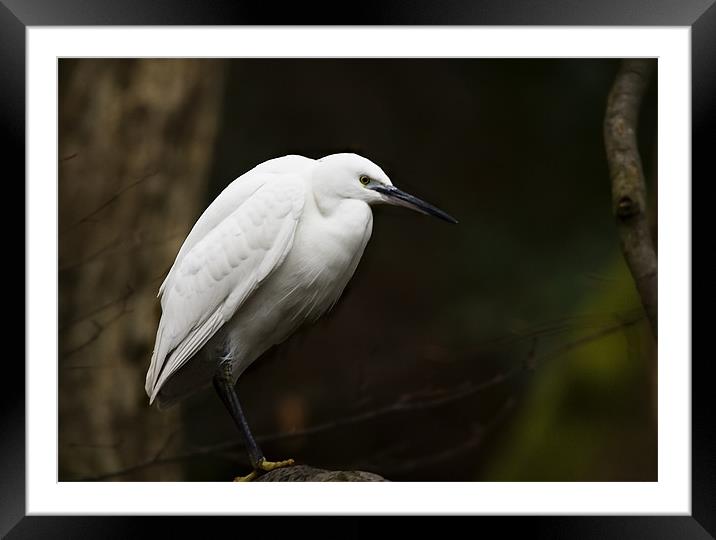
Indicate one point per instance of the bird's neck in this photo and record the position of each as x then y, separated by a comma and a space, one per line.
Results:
342, 209
326, 205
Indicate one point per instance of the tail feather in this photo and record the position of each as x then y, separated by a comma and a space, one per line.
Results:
155, 366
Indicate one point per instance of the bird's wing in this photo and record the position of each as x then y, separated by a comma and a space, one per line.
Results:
220, 271
233, 196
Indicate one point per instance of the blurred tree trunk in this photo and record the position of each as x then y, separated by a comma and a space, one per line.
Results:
136, 139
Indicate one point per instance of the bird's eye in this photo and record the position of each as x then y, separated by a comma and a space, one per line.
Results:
364, 180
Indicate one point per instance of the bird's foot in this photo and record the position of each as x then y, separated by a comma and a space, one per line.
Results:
247, 478
264, 466
271, 465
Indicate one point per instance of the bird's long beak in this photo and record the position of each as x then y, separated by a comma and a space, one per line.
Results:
400, 198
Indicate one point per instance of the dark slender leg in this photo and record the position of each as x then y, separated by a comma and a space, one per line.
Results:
225, 388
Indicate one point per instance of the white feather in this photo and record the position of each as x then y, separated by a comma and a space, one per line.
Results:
234, 196
221, 264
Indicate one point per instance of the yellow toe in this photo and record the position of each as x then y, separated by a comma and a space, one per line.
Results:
272, 465
247, 478
264, 466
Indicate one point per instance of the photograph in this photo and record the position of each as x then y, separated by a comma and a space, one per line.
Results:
397, 262
357, 269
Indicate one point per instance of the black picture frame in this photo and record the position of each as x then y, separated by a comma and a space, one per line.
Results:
700, 15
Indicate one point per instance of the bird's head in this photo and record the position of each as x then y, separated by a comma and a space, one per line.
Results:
350, 176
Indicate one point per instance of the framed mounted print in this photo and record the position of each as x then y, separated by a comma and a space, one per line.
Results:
406, 264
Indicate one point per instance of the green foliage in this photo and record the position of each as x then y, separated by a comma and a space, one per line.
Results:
589, 412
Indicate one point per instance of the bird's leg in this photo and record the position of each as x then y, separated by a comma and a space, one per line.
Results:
227, 392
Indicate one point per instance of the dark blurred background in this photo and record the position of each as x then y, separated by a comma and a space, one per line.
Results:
510, 347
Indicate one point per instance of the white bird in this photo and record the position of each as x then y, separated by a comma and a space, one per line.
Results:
273, 251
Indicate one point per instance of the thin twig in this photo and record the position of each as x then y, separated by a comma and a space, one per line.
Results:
475, 439
112, 249
627, 177
108, 202
94, 311
98, 329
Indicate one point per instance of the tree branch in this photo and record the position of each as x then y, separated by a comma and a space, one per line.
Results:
303, 473
627, 176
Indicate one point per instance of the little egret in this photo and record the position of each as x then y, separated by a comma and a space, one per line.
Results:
273, 251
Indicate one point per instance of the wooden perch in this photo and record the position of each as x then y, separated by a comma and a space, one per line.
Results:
304, 473
627, 176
